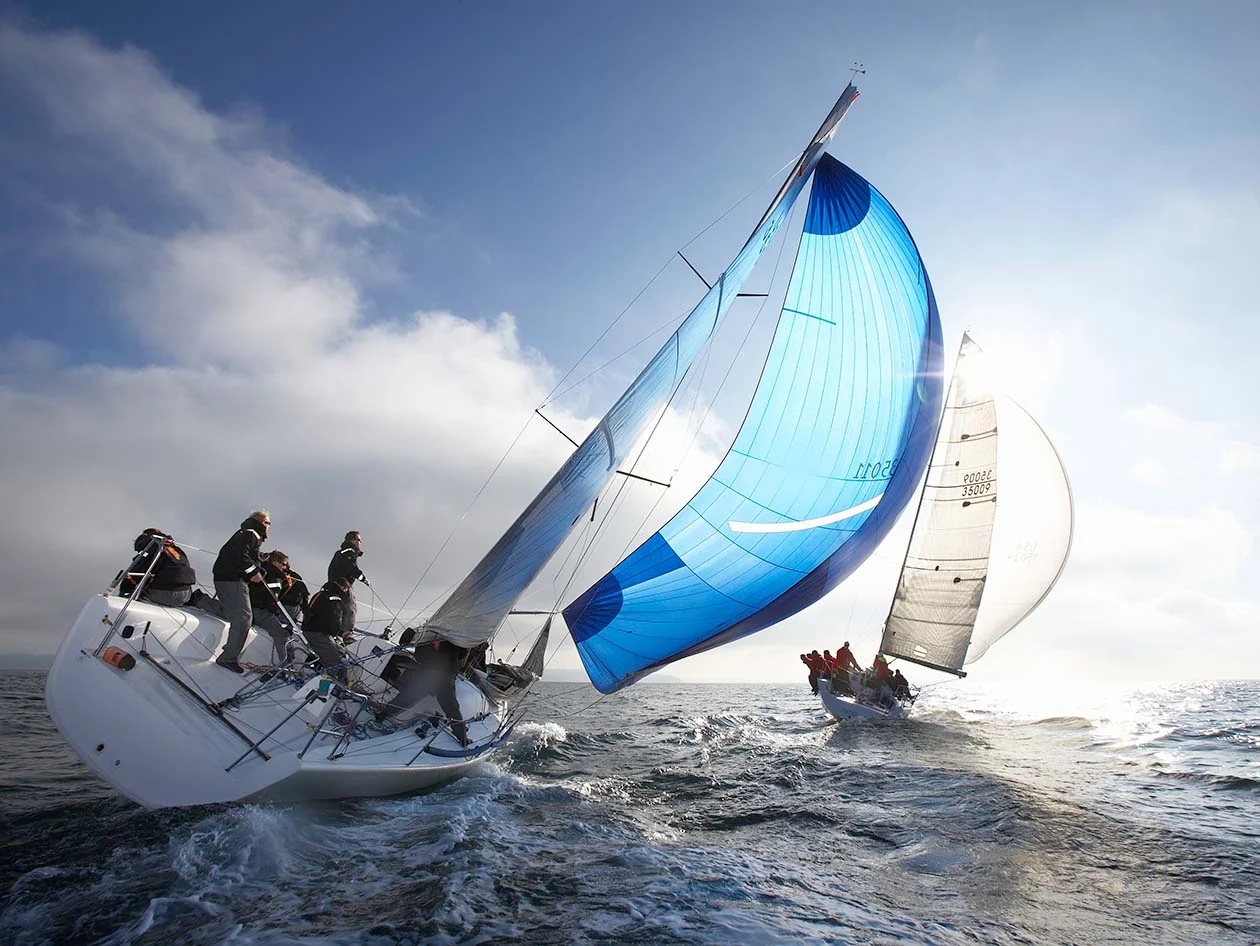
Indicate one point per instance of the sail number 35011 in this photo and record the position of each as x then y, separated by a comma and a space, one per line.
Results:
876, 469
978, 483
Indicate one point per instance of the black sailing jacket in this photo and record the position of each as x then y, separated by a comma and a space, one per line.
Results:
345, 564
324, 615
238, 559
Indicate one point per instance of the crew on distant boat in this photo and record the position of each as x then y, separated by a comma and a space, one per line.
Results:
323, 625
238, 564
883, 679
173, 578
814, 661
900, 685
345, 564
265, 601
845, 659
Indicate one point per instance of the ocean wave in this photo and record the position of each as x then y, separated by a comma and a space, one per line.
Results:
1064, 722
1223, 781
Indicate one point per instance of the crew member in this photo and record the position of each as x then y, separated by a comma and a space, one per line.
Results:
265, 599
323, 624
433, 673
238, 565
172, 579
345, 564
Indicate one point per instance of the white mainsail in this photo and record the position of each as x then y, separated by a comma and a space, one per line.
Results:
992, 533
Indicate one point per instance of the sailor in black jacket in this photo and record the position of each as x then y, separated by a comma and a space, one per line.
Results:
345, 564
265, 599
237, 565
431, 673
172, 579
323, 623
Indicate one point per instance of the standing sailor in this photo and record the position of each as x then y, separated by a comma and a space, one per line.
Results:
236, 566
345, 564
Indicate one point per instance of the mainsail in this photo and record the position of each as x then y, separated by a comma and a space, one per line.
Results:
830, 452
477, 607
992, 533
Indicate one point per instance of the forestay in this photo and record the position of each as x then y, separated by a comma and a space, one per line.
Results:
830, 452
477, 607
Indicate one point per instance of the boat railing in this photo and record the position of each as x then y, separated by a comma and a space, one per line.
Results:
280, 677
155, 546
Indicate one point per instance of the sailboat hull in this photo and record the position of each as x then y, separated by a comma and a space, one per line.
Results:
864, 705
158, 732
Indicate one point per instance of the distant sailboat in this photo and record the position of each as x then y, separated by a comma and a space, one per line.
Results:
990, 539
829, 454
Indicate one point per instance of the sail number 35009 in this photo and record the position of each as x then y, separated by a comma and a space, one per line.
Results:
978, 483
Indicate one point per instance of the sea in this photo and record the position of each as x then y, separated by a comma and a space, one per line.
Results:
684, 814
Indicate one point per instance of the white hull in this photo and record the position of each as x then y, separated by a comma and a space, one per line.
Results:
864, 705
161, 745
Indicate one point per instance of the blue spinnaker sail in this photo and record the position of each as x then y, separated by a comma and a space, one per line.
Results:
830, 452
479, 604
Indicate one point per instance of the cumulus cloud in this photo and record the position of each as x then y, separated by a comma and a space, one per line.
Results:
265, 385
261, 247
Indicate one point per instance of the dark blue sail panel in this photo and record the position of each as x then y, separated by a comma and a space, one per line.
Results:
479, 604
830, 452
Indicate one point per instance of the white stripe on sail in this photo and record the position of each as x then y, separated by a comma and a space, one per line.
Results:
805, 523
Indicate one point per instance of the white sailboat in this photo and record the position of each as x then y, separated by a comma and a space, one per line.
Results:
990, 539
831, 449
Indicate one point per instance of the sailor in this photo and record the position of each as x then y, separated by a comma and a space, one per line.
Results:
900, 685
323, 624
265, 598
238, 565
172, 580
814, 661
296, 596
433, 674
883, 679
345, 564
846, 660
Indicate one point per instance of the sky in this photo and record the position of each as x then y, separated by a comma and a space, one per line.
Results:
327, 260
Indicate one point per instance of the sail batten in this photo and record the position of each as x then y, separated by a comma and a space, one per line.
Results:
829, 452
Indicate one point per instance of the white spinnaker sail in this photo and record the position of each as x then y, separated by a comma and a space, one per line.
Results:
1032, 533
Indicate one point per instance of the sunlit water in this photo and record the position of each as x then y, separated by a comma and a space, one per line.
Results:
690, 814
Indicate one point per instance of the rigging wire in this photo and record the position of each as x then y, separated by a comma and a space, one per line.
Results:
557, 388
531, 697
464, 515
757, 187
695, 436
